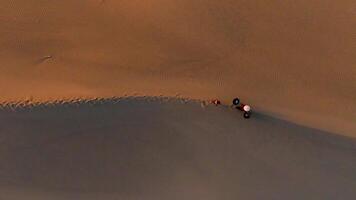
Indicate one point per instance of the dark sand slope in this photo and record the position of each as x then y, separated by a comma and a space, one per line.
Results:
154, 149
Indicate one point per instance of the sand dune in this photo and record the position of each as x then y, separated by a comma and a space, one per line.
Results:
291, 59
149, 148
62, 138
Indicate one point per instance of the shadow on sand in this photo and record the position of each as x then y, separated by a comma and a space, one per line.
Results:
164, 148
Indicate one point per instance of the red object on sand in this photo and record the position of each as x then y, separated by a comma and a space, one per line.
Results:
216, 102
241, 107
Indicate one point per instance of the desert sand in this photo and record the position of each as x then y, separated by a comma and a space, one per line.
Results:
155, 148
107, 99
292, 59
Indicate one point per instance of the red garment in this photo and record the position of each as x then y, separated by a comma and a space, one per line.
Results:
241, 107
216, 102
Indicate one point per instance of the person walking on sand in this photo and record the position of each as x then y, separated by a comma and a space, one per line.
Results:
243, 107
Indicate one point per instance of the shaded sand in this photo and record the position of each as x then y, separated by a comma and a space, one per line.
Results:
149, 148
292, 59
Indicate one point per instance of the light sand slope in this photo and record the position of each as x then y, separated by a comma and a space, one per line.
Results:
149, 148
293, 59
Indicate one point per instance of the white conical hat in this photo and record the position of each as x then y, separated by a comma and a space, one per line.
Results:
247, 108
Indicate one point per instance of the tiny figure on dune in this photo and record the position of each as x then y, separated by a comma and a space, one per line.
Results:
216, 102
243, 107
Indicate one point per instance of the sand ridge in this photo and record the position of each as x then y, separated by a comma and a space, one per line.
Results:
290, 59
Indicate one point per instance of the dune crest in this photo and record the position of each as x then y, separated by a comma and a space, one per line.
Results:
292, 59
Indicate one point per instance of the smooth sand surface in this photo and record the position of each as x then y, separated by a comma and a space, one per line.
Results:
292, 59
159, 148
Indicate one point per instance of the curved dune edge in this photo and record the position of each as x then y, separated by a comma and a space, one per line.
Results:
294, 59
29, 104
146, 148
32, 103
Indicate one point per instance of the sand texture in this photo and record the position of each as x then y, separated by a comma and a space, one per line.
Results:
291, 59
145, 148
